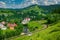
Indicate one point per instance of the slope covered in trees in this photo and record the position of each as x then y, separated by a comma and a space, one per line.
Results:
40, 16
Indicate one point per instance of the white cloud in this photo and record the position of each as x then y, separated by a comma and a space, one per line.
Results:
34, 2
26, 3
2, 4
56, 1
48, 2
39, 2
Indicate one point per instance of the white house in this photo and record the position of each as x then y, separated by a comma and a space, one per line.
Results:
2, 27
26, 20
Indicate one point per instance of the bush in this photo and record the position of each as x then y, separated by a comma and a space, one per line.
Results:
33, 25
10, 33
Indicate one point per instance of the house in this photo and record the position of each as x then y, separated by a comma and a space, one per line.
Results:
11, 26
2, 27
25, 28
3, 22
26, 20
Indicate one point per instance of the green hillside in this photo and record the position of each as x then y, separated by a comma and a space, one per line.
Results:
51, 33
20, 13
44, 23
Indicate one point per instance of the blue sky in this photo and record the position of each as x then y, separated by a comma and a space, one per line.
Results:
25, 3
12, 1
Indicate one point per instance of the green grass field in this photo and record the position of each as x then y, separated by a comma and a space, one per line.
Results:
50, 33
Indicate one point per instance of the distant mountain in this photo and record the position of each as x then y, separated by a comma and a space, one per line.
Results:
45, 8
33, 11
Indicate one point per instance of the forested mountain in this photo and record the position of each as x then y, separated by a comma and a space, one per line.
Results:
31, 12
35, 12
44, 7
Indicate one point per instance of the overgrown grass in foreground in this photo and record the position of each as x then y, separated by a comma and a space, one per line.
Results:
51, 33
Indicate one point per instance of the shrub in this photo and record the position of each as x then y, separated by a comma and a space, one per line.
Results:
10, 33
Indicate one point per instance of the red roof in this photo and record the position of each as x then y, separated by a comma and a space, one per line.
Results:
11, 25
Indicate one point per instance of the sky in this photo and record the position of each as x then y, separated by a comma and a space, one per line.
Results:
25, 3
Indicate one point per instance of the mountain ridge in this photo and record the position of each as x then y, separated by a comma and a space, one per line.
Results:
45, 8
35, 5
